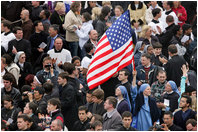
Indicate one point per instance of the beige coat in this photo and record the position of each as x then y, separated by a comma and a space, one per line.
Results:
70, 20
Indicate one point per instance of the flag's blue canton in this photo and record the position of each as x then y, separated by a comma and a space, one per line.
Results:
120, 32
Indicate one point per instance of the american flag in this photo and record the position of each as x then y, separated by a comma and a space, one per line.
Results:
114, 52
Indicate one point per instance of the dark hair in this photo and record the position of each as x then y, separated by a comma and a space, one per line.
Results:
186, 27
25, 117
112, 100
86, 16
63, 75
98, 93
33, 107
104, 12
7, 98
26, 88
97, 117
147, 55
75, 58
168, 113
155, 11
69, 67
95, 124
56, 102
75, 5
47, 13
126, 71
176, 29
8, 77
15, 29
161, 71
7, 24
170, 3
172, 49
157, 45
126, 114
48, 87
81, 108
188, 99
191, 121
169, 19
88, 47
40, 90
58, 38
36, 23
55, 27
41, 110
8, 59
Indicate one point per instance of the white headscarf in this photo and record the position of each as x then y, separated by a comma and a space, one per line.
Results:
17, 56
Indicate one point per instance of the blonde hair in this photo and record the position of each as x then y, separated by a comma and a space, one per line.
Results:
120, 8
95, 13
107, 3
145, 28
59, 6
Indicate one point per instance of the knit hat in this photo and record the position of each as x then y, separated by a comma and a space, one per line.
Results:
17, 56
143, 87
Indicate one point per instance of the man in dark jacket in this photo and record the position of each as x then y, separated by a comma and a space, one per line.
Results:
9, 90
180, 117
83, 123
19, 44
68, 101
166, 36
173, 66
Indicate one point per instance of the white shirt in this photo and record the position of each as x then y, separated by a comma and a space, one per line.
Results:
86, 62
162, 19
5, 39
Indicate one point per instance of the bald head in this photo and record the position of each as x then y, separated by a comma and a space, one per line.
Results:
56, 125
25, 15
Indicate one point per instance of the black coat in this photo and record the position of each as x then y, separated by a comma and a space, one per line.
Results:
155, 60
175, 128
124, 129
79, 126
179, 121
21, 45
173, 69
35, 127
98, 108
173, 100
154, 39
69, 106
165, 38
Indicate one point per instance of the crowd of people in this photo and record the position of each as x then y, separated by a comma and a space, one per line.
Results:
46, 50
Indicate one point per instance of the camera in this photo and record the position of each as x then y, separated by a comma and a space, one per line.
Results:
48, 66
158, 127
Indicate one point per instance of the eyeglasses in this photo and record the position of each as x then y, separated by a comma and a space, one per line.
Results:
23, 57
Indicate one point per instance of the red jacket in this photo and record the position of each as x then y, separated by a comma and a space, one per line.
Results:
182, 18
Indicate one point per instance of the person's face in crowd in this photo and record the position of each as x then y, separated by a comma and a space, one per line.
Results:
190, 127
82, 115
164, 4
142, 47
98, 128
27, 109
176, 4
121, 76
23, 16
153, 3
7, 85
194, 93
61, 11
189, 31
7, 104
79, 8
161, 77
93, 35
83, 19
77, 63
95, 100
35, 3
157, 51
51, 107
40, 26
2, 65
61, 81
42, 14
19, 34
47, 62
89, 97
127, 122
52, 32
168, 120
21, 124
22, 58
92, 4
118, 12
118, 92
58, 44
147, 91
107, 105
149, 32
180, 32
54, 126
145, 61
37, 96
2, 27
183, 103
150, 50
168, 87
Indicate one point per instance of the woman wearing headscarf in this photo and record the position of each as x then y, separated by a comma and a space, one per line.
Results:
124, 103
146, 111
25, 67
139, 49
